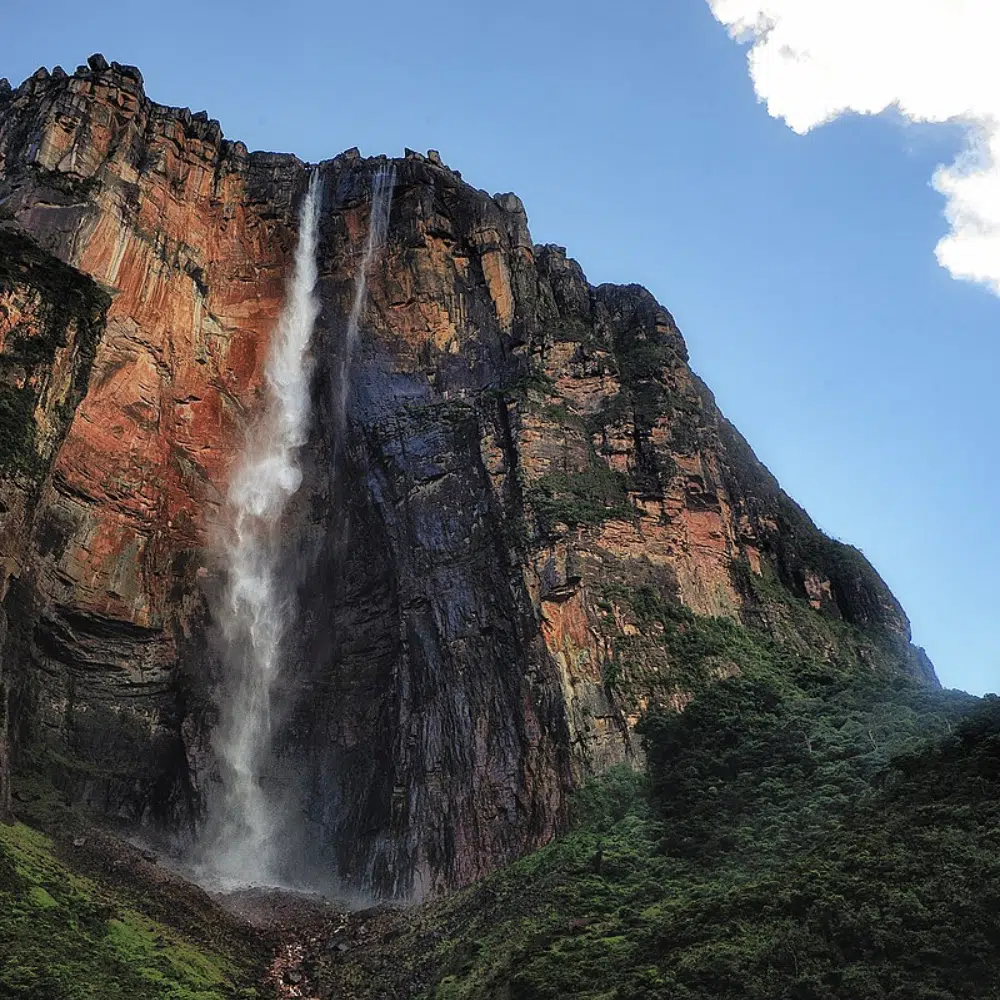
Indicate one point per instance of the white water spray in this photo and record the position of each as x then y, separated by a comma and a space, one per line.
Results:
246, 834
255, 613
382, 185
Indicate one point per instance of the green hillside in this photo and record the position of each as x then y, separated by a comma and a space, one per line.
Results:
807, 833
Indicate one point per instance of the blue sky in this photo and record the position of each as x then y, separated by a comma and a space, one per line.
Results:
800, 268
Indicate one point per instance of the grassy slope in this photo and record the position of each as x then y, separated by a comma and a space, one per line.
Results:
71, 936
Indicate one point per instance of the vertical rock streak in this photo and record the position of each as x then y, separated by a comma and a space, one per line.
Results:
382, 185
257, 610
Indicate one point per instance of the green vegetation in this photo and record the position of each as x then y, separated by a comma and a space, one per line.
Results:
613, 413
66, 295
590, 496
63, 936
672, 649
643, 367
575, 331
808, 828
75, 187
529, 384
579, 497
834, 846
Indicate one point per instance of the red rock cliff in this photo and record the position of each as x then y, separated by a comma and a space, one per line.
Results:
523, 452
189, 236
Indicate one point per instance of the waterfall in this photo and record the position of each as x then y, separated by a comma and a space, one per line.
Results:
256, 609
382, 185
246, 830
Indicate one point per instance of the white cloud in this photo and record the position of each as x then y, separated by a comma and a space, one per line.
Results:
933, 60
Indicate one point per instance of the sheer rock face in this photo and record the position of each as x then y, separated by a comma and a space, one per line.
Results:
520, 448
51, 317
189, 235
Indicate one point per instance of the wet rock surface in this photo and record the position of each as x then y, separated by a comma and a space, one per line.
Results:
521, 450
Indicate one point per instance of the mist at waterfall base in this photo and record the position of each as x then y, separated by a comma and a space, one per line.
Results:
255, 833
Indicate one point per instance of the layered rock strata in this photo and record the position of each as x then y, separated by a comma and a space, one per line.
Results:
521, 450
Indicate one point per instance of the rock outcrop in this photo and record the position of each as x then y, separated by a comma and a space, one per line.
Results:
51, 318
522, 451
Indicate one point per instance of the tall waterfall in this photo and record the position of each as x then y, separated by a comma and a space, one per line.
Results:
246, 828
256, 610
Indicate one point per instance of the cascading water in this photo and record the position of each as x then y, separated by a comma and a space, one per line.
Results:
255, 613
382, 185
246, 824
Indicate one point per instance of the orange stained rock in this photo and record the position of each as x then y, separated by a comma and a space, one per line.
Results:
570, 638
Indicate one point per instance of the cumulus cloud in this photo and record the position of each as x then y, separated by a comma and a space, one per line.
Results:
933, 60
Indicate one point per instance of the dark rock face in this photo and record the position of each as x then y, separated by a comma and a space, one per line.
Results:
433, 719
51, 318
520, 450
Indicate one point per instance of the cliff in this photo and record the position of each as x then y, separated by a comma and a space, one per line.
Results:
526, 459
